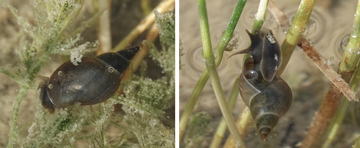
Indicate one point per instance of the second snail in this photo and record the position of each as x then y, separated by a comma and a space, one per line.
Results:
89, 82
266, 94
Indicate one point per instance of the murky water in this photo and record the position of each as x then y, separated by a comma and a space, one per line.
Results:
328, 31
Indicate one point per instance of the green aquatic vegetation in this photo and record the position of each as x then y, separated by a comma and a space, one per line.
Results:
321, 121
198, 129
144, 99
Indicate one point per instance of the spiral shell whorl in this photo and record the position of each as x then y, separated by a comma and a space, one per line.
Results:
119, 60
268, 96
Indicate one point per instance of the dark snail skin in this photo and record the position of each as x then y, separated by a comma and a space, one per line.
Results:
92, 81
267, 95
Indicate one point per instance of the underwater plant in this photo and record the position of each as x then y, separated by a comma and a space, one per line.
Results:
136, 116
300, 33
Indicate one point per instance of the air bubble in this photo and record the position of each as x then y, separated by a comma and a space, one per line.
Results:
60, 73
111, 69
284, 29
50, 86
351, 51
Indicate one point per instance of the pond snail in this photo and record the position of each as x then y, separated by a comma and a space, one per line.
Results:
92, 81
266, 94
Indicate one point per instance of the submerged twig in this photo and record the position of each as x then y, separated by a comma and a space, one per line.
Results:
140, 55
167, 5
340, 112
332, 98
312, 53
295, 31
104, 33
327, 70
328, 107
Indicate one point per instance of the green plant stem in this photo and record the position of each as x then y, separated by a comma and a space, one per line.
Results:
215, 81
351, 56
62, 10
330, 103
219, 135
66, 22
357, 143
13, 122
146, 6
295, 32
336, 123
259, 20
242, 122
245, 114
347, 64
340, 113
260, 15
205, 76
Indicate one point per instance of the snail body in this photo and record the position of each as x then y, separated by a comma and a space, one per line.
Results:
266, 94
92, 81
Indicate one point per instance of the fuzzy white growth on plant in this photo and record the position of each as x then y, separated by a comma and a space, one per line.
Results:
76, 55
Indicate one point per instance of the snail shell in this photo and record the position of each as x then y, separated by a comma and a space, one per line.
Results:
92, 81
267, 95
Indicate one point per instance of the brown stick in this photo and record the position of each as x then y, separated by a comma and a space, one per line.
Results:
333, 96
312, 53
327, 70
104, 33
135, 62
325, 114
167, 5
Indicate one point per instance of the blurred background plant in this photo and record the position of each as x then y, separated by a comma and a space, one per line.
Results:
34, 34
